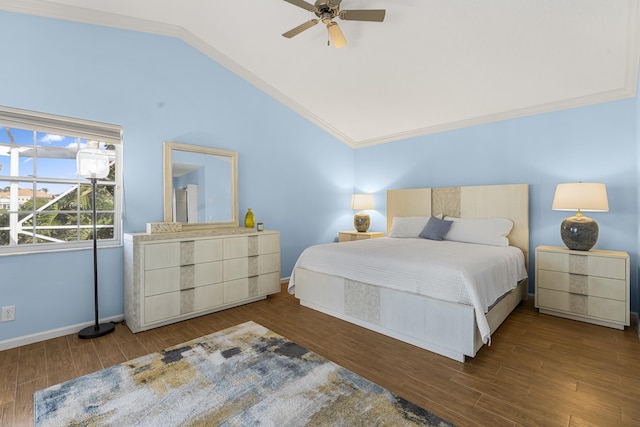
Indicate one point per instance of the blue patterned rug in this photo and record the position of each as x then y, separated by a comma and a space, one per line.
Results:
243, 376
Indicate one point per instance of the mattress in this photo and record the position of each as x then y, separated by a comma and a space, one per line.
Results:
465, 273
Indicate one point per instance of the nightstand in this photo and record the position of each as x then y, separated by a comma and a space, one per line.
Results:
348, 236
590, 286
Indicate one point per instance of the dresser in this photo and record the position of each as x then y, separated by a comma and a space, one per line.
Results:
347, 236
590, 286
171, 277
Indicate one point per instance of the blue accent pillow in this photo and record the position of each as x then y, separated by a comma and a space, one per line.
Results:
435, 229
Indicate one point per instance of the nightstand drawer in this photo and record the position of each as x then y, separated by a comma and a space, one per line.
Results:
602, 308
580, 284
582, 264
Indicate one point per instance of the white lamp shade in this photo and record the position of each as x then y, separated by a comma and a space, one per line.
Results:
362, 202
92, 163
584, 196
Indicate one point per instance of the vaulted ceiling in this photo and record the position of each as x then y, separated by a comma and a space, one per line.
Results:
432, 65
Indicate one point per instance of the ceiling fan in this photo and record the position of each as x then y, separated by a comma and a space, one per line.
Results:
326, 10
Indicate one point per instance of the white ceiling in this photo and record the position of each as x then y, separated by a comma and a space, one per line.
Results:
432, 65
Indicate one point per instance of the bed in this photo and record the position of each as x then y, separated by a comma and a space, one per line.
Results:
396, 304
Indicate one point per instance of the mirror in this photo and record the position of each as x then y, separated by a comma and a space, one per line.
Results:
200, 186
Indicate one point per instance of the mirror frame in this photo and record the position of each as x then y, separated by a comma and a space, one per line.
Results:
168, 183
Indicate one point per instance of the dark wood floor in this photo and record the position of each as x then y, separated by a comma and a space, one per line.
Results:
540, 370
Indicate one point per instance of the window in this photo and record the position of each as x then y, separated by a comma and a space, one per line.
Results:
44, 203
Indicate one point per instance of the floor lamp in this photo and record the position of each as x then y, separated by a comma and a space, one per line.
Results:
93, 164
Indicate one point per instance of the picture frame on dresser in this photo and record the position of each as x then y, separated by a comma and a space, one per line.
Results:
589, 286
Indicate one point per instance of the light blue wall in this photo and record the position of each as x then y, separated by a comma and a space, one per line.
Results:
597, 143
295, 177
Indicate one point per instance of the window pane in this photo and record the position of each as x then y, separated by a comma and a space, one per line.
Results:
43, 195
25, 229
105, 225
57, 228
105, 197
4, 195
4, 228
57, 156
66, 197
16, 144
23, 193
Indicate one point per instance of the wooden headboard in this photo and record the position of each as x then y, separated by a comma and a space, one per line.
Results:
487, 201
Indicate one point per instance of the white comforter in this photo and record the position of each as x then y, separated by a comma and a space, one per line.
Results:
466, 273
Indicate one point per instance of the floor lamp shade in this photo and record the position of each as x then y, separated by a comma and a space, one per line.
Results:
579, 232
362, 202
93, 163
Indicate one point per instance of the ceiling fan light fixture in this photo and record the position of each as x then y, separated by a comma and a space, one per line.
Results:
336, 35
326, 11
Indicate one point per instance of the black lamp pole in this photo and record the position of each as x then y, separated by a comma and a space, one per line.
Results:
98, 329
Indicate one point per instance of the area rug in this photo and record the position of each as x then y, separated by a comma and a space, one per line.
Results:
246, 375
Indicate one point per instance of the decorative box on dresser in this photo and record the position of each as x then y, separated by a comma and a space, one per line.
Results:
591, 286
171, 277
347, 236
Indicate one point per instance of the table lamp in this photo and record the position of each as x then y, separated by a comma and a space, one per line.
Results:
579, 232
361, 202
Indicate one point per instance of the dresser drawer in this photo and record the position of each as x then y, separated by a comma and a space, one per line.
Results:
236, 247
269, 283
237, 268
200, 298
161, 307
587, 264
269, 243
580, 284
236, 290
207, 273
161, 281
161, 255
268, 263
586, 305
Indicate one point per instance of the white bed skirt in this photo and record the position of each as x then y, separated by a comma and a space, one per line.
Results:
442, 327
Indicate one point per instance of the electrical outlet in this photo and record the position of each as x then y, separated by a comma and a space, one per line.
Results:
8, 313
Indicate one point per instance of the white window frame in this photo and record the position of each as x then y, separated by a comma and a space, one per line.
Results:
70, 127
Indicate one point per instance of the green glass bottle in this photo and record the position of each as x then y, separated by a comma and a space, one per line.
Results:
249, 219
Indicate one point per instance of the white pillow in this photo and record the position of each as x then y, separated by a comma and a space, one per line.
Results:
485, 231
409, 226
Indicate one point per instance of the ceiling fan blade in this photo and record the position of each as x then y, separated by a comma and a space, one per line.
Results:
374, 15
336, 35
303, 4
300, 28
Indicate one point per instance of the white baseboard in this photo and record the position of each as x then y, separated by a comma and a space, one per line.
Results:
53, 333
